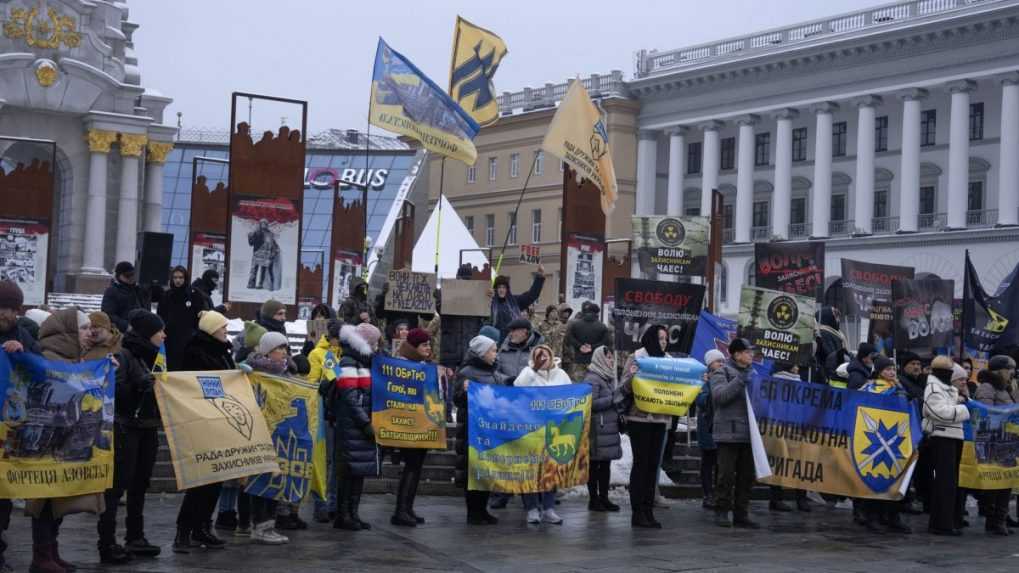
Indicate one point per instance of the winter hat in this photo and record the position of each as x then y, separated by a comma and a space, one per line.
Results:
252, 334
959, 373
479, 345
543, 349
101, 320
210, 321
270, 308
37, 315
590, 308
489, 332
564, 307
418, 336
369, 332
11, 295
739, 345
123, 268
271, 341
907, 357
145, 323
333, 329
520, 323
501, 280
942, 363
713, 355
83, 320
999, 362
882, 362
211, 275
865, 349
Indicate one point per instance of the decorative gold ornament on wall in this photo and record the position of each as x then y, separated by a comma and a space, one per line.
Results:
39, 32
100, 141
158, 151
46, 73
131, 144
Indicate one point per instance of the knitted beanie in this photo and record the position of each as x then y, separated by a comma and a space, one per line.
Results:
369, 332
479, 345
145, 323
271, 341
270, 308
100, 319
209, 321
418, 336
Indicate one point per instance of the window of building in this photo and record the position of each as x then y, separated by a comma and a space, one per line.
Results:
693, 211
880, 203
492, 168
514, 165
838, 207
472, 174
489, 230
693, 157
800, 144
511, 220
762, 149
881, 133
760, 214
839, 132
975, 197
727, 216
928, 127
976, 121
723, 282
469, 223
728, 158
798, 211
928, 200
539, 162
536, 225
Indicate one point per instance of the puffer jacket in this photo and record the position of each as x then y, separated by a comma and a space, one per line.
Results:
636, 414
605, 442
355, 440
728, 400
477, 371
992, 391
859, 374
317, 358
513, 358
943, 415
552, 377
705, 418
135, 403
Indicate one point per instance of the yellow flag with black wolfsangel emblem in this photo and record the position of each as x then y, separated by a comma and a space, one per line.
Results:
476, 55
579, 137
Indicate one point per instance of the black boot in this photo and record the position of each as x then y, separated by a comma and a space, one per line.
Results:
206, 538
355, 502
896, 525
343, 518
413, 493
182, 543
640, 519
401, 517
226, 521
802, 504
113, 554
607, 504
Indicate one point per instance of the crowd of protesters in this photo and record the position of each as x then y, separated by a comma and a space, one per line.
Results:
507, 350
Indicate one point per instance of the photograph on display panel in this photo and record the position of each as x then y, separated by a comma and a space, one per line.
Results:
24, 246
208, 253
583, 270
347, 265
263, 250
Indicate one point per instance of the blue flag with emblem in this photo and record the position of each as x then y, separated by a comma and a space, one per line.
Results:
715, 333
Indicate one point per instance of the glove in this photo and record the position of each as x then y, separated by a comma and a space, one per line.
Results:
368, 432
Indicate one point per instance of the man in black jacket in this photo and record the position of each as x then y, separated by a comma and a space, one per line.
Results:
861, 367
507, 307
914, 382
124, 295
179, 309
583, 335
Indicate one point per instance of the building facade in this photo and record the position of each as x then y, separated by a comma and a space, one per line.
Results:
891, 133
68, 74
485, 194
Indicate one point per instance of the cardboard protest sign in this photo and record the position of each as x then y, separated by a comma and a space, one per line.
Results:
672, 245
640, 303
465, 298
411, 292
407, 411
779, 324
530, 254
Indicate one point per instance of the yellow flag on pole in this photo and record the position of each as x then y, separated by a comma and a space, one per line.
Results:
579, 137
476, 55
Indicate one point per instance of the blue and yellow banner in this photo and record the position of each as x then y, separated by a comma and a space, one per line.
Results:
527, 440
56, 426
990, 454
291, 410
843, 442
667, 385
405, 101
407, 409
159, 368
476, 55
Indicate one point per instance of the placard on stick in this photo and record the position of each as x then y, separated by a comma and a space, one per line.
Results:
466, 298
411, 292
530, 254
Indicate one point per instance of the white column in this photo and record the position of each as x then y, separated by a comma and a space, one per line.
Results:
131, 146
156, 157
745, 179
99, 143
677, 167
783, 194
647, 158
958, 153
909, 172
821, 197
865, 135
1008, 170
710, 158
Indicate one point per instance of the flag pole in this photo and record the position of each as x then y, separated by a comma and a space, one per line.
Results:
965, 298
516, 210
438, 220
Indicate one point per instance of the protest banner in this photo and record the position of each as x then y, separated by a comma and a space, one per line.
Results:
528, 440
411, 292
990, 452
56, 426
465, 298
867, 282
584, 263
675, 246
638, 304
530, 254
407, 410
796, 268
291, 409
881, 328
990, 319
214, 427
715, 333
780, 325
922, 315
667, 385
832, 440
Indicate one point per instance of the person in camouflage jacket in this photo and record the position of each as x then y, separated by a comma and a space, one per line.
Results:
553, 331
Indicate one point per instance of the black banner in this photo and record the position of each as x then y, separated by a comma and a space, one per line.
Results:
796, 268
922, 311
990, 322
865, 283
641, 303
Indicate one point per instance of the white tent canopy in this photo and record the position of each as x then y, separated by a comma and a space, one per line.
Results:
454, 237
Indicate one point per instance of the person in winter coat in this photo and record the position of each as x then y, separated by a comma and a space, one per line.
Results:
479, 368
731, 430
913, 381
136, 442
316, 326
829, 340
553, 331
507, 307
417, 348
124, 295
996, 389
321, 372
356, 309
272, 317
32, 320
647, 433
861, 367
880, 511
210, 349
515, 350
357, 454
944, 411
605, 442
714, 360
202, 289
585, 334
179, 308
105, 338
786, 371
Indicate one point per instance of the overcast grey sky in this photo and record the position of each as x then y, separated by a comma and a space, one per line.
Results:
199, 51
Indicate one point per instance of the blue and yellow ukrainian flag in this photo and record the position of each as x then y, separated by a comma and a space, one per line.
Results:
476, 56
159, 366
405, 101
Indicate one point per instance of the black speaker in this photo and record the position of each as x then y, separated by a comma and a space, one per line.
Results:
154, 253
